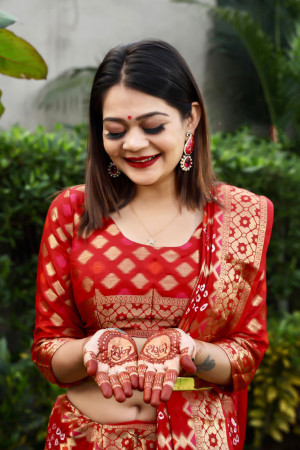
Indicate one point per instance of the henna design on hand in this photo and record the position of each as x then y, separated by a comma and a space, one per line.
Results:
159, 363
110, 356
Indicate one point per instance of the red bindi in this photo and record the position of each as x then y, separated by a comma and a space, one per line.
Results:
129, 117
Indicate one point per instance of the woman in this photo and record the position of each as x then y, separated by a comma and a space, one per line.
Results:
150, 269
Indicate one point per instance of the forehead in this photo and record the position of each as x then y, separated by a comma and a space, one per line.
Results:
121, 101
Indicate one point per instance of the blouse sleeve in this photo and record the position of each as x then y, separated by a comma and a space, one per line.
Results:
245, 348
246, 345
57, 318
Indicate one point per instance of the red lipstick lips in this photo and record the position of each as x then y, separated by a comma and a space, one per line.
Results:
142, 161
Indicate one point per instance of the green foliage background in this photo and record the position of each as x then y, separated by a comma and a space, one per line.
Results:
35, 165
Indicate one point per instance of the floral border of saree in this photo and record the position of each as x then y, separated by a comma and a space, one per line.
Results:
228, 308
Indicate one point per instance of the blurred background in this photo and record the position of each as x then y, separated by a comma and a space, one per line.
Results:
245, 55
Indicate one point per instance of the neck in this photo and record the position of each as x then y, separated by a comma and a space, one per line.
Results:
162, 194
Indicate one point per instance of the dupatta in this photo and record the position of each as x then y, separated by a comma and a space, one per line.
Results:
227, 308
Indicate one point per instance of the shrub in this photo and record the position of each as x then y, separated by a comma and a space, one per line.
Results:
274, 395
33, 166
26, 399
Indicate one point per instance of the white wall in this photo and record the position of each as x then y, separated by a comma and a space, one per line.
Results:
78, 33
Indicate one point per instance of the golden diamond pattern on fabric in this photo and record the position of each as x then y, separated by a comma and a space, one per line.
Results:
133, 286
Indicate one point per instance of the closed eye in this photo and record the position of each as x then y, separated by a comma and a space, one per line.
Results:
155, 130
111, 135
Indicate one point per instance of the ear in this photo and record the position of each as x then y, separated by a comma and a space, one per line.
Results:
194, 118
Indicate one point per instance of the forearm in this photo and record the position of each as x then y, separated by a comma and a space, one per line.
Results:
67, 362
212, 364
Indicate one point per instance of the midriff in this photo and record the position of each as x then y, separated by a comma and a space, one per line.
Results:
87, 398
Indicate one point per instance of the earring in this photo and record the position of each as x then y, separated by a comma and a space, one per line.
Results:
186, 161
113, 170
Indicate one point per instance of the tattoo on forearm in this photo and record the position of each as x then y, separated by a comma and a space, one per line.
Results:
208, 364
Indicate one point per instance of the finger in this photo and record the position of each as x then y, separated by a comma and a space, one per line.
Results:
117, 388
91, 367
187, 364
149, 378
134, 378
141, 372
169, 381
102, 380
157, 388
125, 383
90, 362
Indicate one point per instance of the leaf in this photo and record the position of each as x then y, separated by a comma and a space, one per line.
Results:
6, 19
19, 59
2, 109
260, 49
276, 435
271, 394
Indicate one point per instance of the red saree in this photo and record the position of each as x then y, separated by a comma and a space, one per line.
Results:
213, 287
228, 308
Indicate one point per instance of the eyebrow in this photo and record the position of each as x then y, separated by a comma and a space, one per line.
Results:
143, 116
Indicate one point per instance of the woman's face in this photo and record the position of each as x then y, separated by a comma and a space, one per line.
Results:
143, 135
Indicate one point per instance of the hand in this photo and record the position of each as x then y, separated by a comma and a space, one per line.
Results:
110, 356
159, 363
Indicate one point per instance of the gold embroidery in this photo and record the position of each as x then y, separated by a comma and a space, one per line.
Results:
112, 230
184, 269
76, 219
168, 282
51, 295
52, 241
56, 320
170, 256
110, 280
61, 234
240, 257
112, 253
69, 227
126, 265
84, 257
50, 269
147, 312
141, 253
254, 326
195, 256
87, 284
58, 288
54, 214
139, 280
208, 419
99, 241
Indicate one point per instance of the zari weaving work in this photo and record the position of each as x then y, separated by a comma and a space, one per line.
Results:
213, 288
69, 429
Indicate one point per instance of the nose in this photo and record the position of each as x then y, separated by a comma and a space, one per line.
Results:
135, 140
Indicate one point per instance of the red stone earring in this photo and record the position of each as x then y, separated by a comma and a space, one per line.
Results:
186, 161
113, 170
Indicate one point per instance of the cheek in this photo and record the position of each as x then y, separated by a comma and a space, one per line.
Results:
111, 148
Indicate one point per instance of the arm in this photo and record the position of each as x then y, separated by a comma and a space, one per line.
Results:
247, 344
67, 362
57, 322
212, 363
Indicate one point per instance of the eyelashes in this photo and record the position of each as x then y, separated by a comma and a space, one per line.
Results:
155, 130
111, 135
